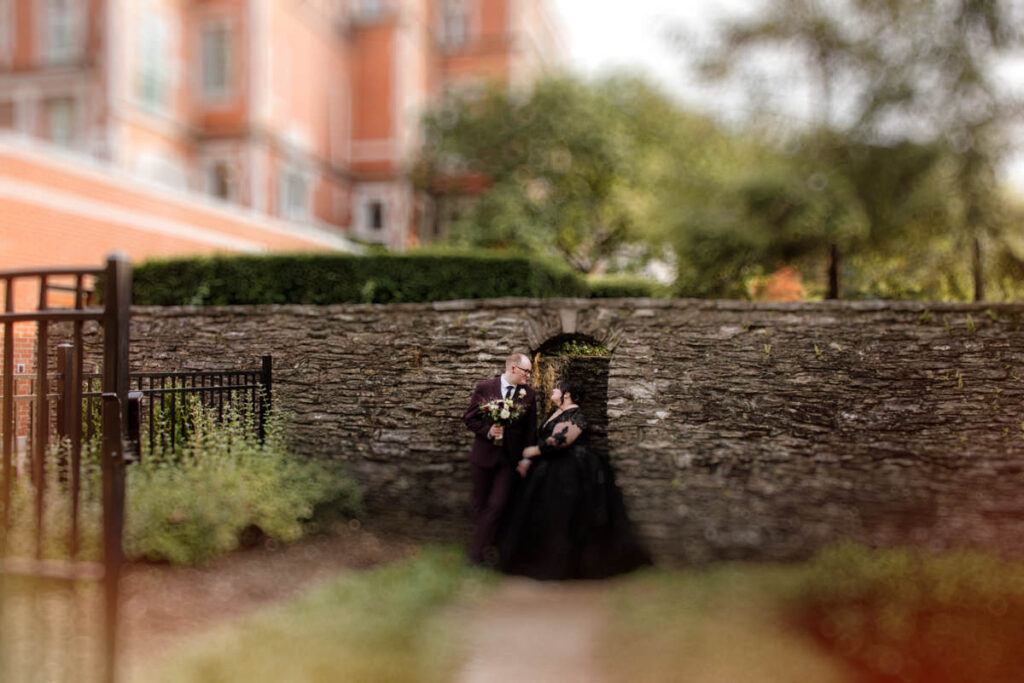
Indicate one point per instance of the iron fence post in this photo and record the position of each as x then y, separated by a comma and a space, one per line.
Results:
116, 320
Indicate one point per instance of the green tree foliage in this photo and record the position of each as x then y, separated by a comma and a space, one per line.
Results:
570, 170
908, 127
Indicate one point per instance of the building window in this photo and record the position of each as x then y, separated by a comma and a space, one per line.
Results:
7, 114
294, 195
216, 60
218, 180
370, 9
375, 216
155, 60
61, 120
60, 30
454, 23
6, 30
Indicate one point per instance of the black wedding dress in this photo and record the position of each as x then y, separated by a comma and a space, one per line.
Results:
567, 519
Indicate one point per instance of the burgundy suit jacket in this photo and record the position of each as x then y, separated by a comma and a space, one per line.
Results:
518, 435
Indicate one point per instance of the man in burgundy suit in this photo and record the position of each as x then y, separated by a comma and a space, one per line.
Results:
491, 465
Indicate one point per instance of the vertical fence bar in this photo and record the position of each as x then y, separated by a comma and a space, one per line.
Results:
65, 361
77, 368
7, 429
152, 414
266, 379
116, 321
112, 465
41, 417
174, 422
65, 405
134, 426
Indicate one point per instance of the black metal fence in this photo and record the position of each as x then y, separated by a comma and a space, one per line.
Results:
41, 541
158, 400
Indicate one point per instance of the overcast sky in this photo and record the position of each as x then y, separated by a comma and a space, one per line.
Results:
605, 35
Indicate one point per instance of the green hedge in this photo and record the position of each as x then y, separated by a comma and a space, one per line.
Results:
342, 278
374, 278
624, 286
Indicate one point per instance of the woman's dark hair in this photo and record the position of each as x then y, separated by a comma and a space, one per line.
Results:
568, 386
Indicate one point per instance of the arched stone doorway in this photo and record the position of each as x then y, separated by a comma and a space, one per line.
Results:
584, 360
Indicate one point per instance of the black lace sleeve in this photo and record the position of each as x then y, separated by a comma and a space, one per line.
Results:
567, 429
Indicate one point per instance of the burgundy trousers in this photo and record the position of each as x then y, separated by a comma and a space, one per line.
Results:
492, 487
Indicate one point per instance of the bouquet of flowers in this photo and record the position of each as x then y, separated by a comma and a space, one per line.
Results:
501, 411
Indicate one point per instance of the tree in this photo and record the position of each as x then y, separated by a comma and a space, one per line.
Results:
888, 73
569, 169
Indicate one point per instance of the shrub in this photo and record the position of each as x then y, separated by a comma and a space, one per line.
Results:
343, 278
188, 503
193, 504
625, 286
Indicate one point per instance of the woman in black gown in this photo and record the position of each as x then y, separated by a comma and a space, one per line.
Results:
567, 520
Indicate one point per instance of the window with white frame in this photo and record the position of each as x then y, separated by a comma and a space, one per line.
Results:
375, 215
454, 23
60, 112
219, 180
154, 61
294, 195
215, 43
60, 30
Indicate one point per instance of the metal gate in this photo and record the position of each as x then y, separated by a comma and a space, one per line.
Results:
61, 495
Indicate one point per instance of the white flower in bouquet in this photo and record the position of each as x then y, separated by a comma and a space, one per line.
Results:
501, 411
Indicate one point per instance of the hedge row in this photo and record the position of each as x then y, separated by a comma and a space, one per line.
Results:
343, 278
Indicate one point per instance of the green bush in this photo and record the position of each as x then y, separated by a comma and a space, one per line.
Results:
193, 503
343, 278
188, 502
624, 286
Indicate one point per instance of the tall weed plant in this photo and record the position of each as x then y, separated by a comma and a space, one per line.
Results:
188, 499
192, 501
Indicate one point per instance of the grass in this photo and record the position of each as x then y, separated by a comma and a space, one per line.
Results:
850, 614
723, 623
910, 615
389, 624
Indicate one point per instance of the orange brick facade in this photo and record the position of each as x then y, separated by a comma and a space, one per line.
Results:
65, 210
303, 111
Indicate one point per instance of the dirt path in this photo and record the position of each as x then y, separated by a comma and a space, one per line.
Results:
162, 606
535, 631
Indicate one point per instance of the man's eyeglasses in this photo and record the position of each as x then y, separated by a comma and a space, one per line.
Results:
523, 370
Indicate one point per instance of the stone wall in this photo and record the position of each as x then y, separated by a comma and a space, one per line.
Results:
738, 430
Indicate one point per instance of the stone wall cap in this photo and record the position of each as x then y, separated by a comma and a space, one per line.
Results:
872, 306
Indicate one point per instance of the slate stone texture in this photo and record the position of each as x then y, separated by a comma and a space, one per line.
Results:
737, 430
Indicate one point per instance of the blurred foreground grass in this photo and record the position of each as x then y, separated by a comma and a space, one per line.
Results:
388, 624
850, 614
723, 623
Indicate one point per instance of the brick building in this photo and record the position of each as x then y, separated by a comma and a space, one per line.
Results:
307, 111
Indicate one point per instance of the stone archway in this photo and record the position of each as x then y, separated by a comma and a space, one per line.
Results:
584, 360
